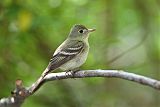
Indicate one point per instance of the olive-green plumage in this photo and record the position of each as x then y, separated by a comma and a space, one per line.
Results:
73, 52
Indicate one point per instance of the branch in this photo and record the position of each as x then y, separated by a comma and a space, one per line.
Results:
106, 73
21, 93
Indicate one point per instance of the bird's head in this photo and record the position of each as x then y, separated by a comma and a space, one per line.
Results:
80, 32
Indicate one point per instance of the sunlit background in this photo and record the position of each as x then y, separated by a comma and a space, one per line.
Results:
30, 31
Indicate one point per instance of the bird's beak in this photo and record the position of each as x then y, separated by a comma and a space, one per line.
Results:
91, 30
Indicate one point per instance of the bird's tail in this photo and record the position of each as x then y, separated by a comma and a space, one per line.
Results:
40, 81
45, 72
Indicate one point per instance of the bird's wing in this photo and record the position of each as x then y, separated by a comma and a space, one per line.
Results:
66, 54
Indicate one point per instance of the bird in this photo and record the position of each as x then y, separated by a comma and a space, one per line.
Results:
73, 52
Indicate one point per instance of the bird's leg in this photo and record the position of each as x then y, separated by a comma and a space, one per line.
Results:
72, 72
68, 73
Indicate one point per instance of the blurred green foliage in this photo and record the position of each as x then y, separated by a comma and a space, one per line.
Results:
30, 31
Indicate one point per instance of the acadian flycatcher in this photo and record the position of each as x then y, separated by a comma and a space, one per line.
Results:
73, 52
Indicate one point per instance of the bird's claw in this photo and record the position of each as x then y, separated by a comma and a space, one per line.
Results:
69, 73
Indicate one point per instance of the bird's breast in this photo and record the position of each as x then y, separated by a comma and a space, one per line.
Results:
77, 61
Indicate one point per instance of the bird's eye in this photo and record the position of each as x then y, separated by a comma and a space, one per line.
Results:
80, 31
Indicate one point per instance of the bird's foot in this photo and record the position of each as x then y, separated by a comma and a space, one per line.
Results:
71, 73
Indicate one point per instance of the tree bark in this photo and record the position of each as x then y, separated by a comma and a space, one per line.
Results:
21, 93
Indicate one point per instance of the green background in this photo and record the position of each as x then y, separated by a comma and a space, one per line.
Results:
30, 31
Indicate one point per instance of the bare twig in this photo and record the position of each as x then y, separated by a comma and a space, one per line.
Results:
21, 93
106, 73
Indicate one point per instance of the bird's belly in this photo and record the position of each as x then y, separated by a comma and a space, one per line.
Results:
75, 62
